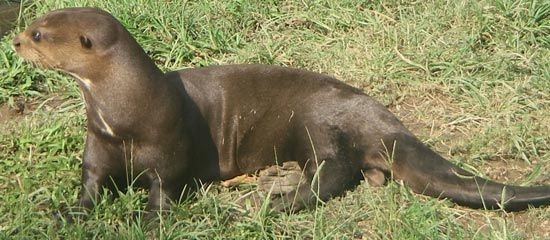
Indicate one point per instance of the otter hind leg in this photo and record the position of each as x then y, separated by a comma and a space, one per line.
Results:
375, 177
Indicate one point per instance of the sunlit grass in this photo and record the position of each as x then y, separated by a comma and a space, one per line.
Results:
470, 78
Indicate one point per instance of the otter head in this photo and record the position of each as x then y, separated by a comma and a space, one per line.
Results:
74, 40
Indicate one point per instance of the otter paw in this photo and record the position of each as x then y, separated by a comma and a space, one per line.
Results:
280, 180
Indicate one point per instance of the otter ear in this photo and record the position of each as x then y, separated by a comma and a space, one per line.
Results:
86, 42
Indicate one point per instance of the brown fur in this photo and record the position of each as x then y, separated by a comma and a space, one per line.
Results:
216, 123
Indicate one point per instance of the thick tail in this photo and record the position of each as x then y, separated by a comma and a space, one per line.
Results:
426, 172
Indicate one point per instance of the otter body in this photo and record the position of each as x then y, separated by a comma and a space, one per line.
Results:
168, 130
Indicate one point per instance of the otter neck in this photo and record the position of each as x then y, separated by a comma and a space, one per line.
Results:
124, 92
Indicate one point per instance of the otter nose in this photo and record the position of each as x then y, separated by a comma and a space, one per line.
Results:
16, 42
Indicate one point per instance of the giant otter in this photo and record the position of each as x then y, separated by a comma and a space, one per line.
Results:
214, 123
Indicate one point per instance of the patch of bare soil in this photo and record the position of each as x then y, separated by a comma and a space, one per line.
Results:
10, 113
532, 223
533, 228
424, 111
21, 107
505, 171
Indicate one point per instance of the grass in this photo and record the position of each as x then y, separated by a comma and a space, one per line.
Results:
470, 78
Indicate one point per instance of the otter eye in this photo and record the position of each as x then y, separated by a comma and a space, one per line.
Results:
86, 42
36, 35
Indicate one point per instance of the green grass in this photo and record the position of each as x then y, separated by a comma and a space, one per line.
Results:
470, 78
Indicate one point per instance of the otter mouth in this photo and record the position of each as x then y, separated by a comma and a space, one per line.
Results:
37, 59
